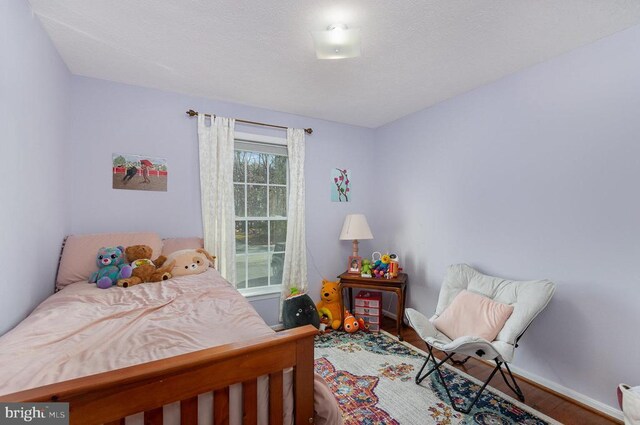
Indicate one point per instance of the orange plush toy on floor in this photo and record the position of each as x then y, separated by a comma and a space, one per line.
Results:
329, 304
350, 323
363, 325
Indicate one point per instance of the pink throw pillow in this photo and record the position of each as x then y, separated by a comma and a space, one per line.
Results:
470, 314
78, 259
171, 245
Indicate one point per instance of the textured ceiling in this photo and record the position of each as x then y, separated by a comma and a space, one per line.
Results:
260, 52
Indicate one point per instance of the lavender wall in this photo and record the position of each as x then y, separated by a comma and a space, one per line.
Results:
532, 176
535, 176
110, 117
34, 85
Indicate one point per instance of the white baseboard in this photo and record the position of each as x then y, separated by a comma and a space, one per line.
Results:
546, 383
568, 392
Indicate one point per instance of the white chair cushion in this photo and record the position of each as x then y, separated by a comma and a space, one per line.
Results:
528, 298
465, 345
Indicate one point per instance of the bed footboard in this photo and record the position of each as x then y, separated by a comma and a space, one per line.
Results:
109, 397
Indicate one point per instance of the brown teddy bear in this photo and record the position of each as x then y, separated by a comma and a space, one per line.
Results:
143, 269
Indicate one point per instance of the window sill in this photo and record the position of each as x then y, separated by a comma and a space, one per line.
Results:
264, 293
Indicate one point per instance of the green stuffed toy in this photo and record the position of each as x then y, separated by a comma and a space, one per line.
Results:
365, 270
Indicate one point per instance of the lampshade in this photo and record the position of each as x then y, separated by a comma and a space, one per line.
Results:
355, 227
337, 42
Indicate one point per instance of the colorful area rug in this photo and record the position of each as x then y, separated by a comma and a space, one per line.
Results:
372, 377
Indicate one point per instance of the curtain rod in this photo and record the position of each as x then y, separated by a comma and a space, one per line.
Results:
193, 113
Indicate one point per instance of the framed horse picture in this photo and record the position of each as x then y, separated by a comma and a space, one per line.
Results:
138, 172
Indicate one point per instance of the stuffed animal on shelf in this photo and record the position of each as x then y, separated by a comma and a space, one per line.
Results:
190, 261
381, 265
143, 269
330, 303
365, 271
394, 266
111, 267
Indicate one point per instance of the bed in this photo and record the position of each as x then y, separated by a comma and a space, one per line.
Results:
187, 350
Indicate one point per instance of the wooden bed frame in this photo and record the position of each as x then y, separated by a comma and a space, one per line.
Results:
111, 396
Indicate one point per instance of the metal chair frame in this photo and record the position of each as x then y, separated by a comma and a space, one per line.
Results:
515, 388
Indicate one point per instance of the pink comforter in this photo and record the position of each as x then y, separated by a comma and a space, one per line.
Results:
83, 330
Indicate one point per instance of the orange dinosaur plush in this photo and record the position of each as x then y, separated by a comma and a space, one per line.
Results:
143, 269
329, 304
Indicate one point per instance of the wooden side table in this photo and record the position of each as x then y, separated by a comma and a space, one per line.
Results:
397, 285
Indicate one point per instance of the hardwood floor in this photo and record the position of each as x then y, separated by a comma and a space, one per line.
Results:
545, 401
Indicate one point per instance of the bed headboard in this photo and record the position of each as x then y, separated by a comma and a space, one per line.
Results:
77, 254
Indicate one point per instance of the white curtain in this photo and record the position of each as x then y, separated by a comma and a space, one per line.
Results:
216, 188
294, 273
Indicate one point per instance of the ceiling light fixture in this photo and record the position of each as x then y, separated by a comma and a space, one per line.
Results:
337, 42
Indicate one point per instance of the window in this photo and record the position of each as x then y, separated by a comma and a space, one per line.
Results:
260, 176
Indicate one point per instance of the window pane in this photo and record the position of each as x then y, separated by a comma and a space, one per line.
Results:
238, 197
260, 243
277, 201
257, 236
258, 270
238, 166
277, 169
256, 201
278, 235
256, 167
277, 263
241, 273
241, 237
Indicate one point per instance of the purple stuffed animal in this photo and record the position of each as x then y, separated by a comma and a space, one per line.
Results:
111, 267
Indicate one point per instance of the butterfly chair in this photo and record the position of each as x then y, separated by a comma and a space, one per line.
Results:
528, 299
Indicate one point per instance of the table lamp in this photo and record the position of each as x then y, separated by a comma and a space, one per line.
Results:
355, 228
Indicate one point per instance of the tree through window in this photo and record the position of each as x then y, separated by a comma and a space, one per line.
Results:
260, 193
